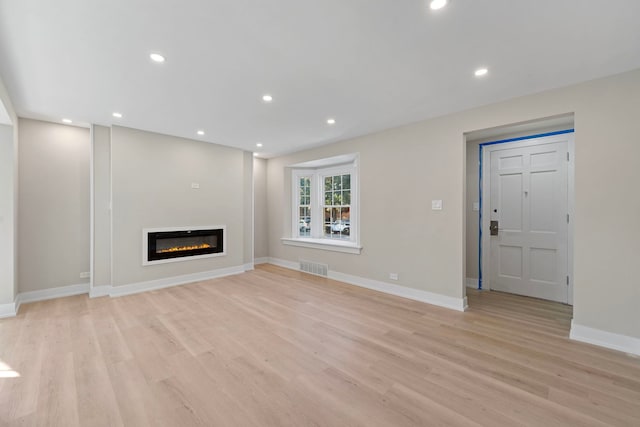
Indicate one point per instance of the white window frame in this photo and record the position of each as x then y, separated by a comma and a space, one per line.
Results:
317, 239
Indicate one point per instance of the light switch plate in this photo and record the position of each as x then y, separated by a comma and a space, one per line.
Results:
195, 185
476, 206
436, 205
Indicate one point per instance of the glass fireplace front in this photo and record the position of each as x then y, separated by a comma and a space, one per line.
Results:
177, 244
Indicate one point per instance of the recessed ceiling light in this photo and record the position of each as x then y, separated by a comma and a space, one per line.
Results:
267, 98
156, 57
331, 121
437, 4
259, 144
67, 121
481, 72
117, 115
200, 132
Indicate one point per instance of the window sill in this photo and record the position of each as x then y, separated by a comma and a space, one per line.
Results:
323, 244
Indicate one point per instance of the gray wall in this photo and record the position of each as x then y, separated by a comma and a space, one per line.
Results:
261, 249
101, 206
53, 232
151, 186
403, 169
400, 172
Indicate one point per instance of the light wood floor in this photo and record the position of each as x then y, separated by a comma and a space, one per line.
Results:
275, 347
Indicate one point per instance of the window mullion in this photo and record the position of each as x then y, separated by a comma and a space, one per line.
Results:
316, 207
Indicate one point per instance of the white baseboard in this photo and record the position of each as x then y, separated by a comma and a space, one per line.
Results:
8, 310
459, 304
606, 339
134, 288
284, 263
263, 260
11, 309
472, 282
51, 293
99, 291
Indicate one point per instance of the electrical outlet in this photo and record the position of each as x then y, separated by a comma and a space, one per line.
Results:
393, 276
195, 185
436, 205
85, 275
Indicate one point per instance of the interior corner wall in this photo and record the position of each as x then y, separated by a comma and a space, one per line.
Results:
101, 206
53, 207
261, 249
403, 169
248, 208
7, 215
151, 177
8, 202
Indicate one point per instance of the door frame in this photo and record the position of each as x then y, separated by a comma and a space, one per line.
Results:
485, 186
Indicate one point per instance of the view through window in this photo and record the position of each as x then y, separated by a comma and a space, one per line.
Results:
324, 202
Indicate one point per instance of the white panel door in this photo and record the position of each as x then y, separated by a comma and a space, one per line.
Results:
528, 198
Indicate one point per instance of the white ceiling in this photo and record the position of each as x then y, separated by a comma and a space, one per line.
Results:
369, 64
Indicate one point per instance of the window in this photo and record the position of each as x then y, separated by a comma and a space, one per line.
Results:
304, 206
325, 205
337, 206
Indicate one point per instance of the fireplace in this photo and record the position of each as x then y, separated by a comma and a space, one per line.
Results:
161, 245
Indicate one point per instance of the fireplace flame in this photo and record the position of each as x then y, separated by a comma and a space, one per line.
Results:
184, 248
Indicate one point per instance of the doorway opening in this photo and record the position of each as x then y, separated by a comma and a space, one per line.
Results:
519, 209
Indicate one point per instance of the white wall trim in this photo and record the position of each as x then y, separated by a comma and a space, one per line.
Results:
99, 291
92, 202
292, 265
8, 310
346, 247
458, 304
11, 309
134, 288
472, 282
253, 213
263, 260
606, 339
52, 293
571, 171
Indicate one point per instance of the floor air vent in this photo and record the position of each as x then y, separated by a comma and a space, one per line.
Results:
314, 268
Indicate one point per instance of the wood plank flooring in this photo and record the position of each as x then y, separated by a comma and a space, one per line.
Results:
275, 347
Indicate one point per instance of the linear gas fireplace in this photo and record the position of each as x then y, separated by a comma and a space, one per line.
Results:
160, 245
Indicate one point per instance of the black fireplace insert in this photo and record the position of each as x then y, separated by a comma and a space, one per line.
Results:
177, 244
